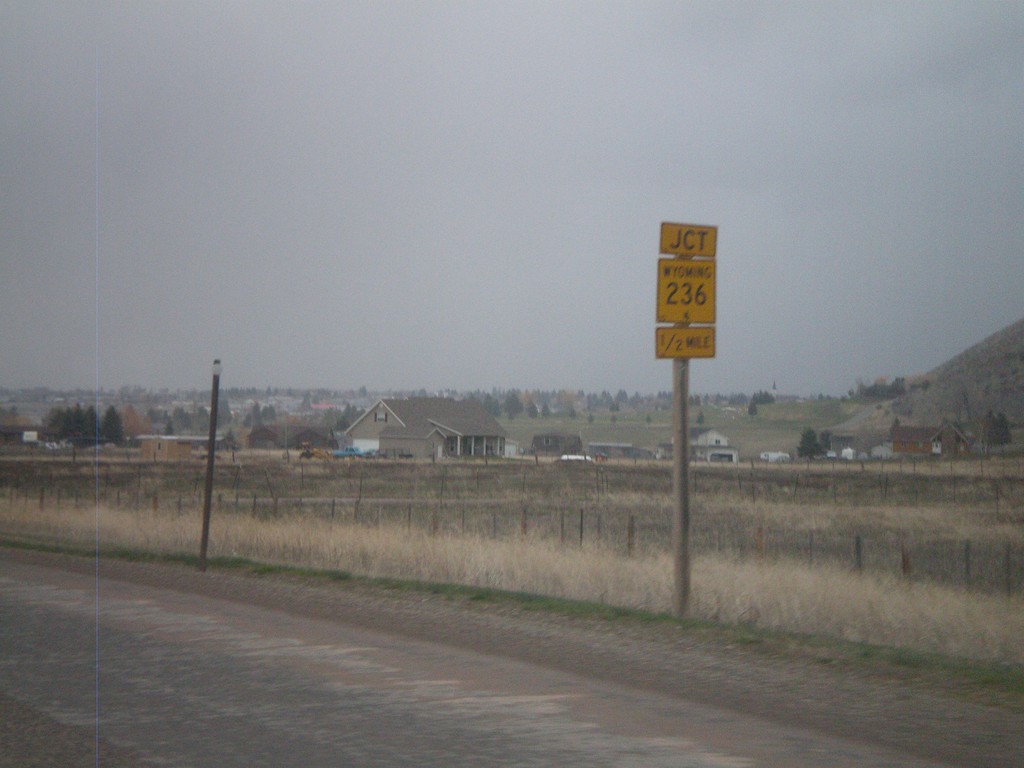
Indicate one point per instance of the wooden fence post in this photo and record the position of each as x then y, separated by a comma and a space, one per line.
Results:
359, 495
858, 553
630, 535
1006, 563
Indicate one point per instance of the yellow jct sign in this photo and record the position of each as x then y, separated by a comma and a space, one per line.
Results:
686, 291
689, 239
684, 342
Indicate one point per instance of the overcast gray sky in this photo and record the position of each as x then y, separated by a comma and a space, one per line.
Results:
442, 194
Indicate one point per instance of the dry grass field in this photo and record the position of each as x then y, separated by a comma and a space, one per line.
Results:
927, 557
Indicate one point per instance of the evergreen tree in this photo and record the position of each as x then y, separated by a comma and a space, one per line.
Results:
1000, 434
513, 405
111, 428
809, 446
72, 422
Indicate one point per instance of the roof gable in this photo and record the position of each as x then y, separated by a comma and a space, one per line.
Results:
373, 409
419, 416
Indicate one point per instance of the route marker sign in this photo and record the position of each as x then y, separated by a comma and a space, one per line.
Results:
686, 291
686, 295
686, 342
689, 239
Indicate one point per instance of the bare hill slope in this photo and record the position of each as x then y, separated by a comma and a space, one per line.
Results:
988, 376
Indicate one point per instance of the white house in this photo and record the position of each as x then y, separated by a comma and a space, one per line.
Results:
711, 445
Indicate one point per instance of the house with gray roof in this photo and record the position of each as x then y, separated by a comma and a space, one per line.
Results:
428, 427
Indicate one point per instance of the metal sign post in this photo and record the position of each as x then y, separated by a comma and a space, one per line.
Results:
686, 295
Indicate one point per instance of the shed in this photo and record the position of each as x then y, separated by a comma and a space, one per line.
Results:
166, 447
556, 444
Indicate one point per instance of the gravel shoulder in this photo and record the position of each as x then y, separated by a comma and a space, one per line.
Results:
921, 713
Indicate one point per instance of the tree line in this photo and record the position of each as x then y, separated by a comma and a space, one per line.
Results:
78, 423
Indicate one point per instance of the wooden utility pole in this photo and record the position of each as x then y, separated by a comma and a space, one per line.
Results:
211, 449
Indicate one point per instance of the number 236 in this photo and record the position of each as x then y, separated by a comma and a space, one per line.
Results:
685, 293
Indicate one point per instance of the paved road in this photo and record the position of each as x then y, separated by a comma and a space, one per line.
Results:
166, 677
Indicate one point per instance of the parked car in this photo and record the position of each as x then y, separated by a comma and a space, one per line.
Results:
348, 452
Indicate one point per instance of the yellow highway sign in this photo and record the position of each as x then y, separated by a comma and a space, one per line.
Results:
689, 341
688, 239
686, 291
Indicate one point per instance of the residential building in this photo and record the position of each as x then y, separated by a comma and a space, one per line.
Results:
708, 444
947, 440
428, 427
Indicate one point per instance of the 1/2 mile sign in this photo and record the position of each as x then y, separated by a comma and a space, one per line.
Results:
687, 342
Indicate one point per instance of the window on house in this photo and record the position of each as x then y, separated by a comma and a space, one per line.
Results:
380, 416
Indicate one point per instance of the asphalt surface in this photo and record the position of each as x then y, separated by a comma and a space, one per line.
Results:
149, 666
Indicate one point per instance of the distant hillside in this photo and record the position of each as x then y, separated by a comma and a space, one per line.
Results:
989, 375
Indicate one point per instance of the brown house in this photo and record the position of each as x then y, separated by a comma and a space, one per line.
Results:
264, 437
428, 427
946, 440
316, 437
